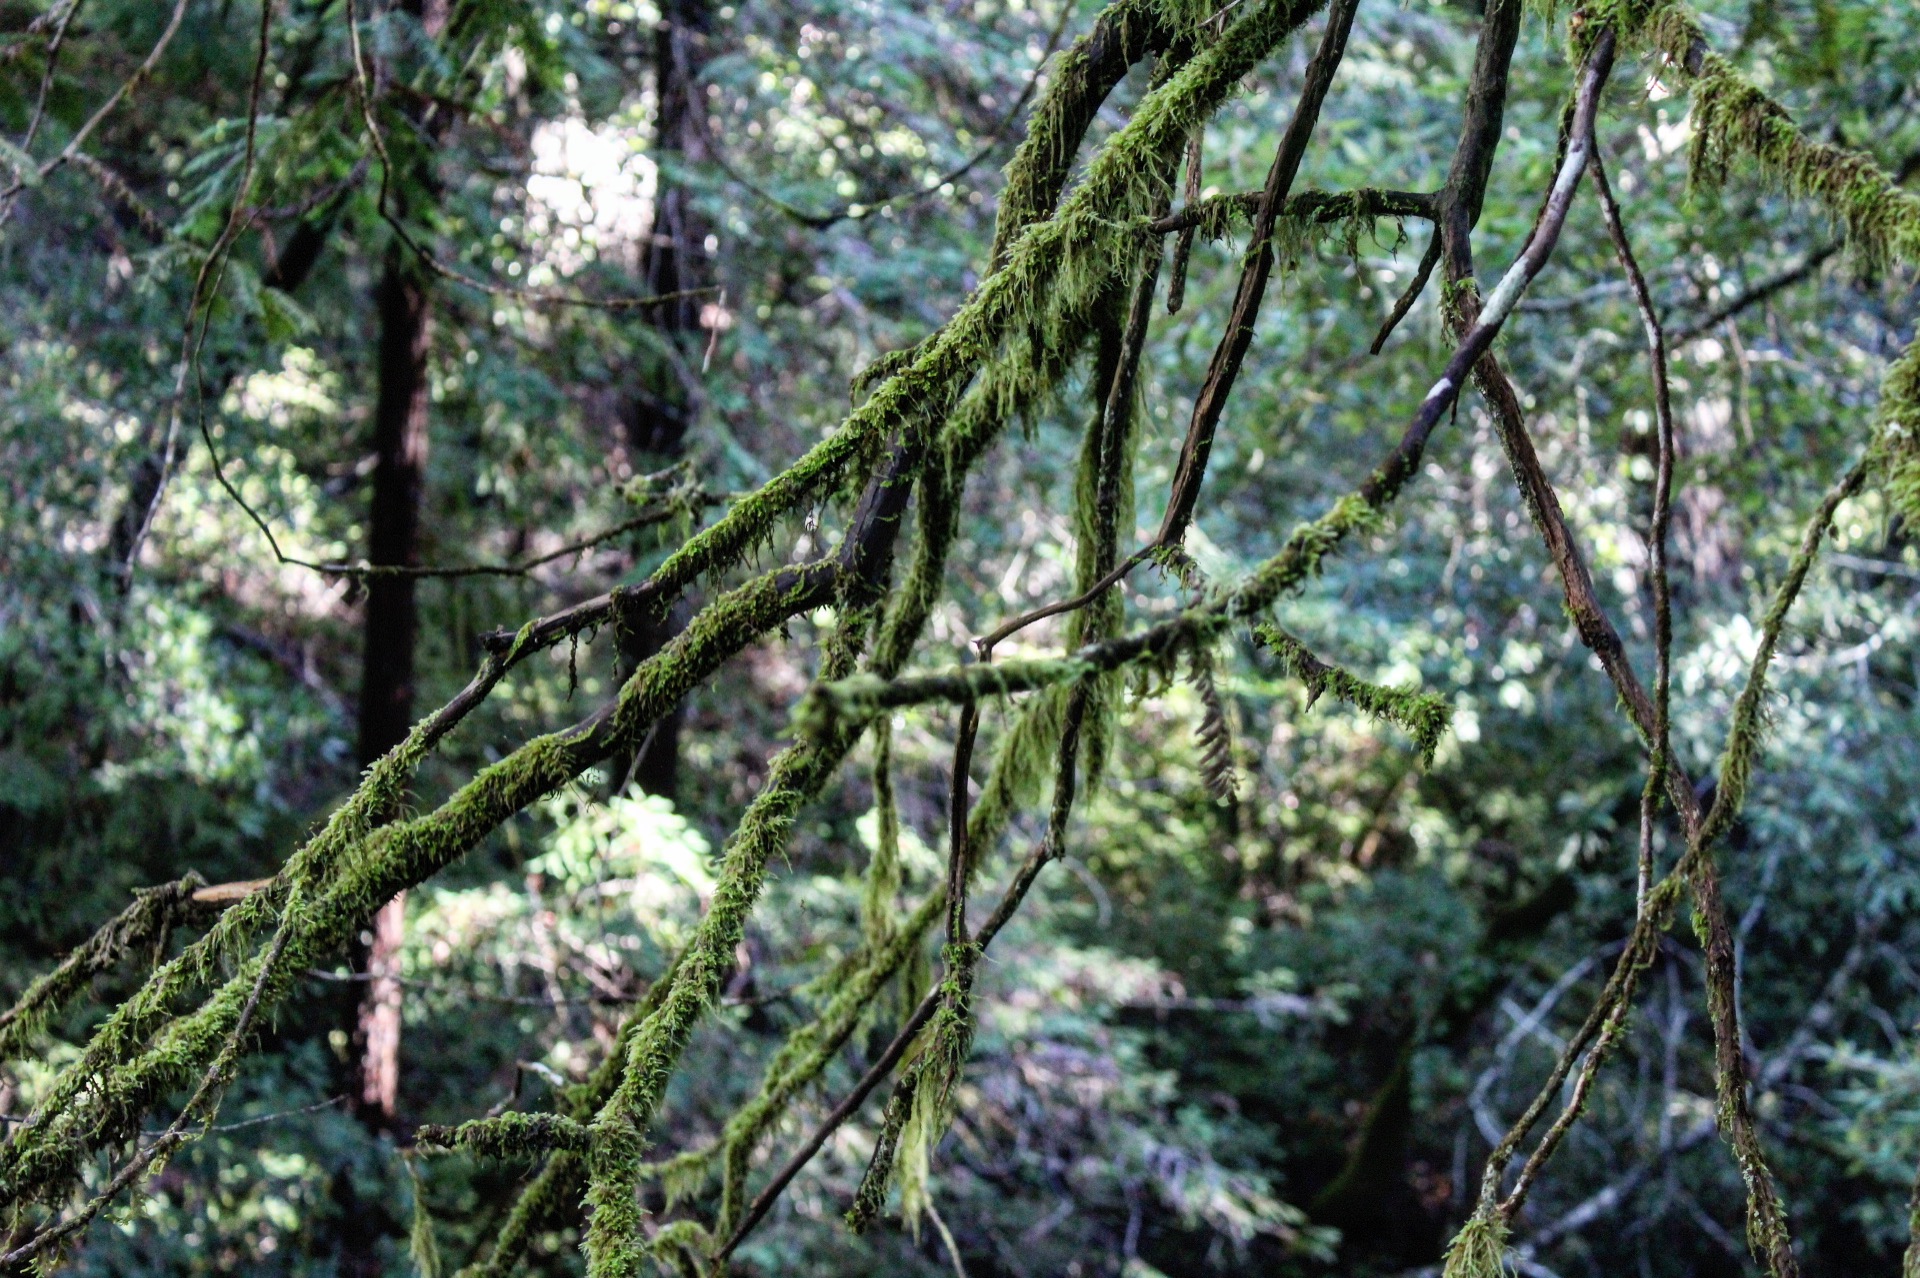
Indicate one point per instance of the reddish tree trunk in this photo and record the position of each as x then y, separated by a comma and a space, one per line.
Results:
392, 622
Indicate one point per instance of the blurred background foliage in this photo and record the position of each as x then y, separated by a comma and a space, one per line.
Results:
1274, 1035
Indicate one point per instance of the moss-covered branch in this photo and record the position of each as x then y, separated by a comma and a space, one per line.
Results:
510, 1135
1733, 117
144, 925
1218, 216
1424, 715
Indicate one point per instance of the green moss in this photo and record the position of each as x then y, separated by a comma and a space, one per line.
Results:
1732, 117
613, 1243
1746, 731
883, 877
422, 1248
1039, 167
145, 925
1896, 444
801, 1059
1479, 1250
832, 707
510, 1135
1214, 734
684, 1245
1025, 321
921, 1106
1052, 269
870, 1199
1425, 716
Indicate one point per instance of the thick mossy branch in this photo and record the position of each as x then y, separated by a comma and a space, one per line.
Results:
511, 1135
125, 1033
614, 1243
1896, 443
126, 1030
657, 1043
1078, 82
1425, 716
1307, 220
123, 1075
1067, 256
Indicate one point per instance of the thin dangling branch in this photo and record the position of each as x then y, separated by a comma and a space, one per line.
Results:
1656, 533
1403, 305
1211, 400
1477, 1249
1050, 848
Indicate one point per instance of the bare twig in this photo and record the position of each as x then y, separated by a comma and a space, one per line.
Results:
1657, 533
1211, 400
85, 131
1183, 243
206, 284
1758, 293
1415, 287
860, 210
648, 518
46, 76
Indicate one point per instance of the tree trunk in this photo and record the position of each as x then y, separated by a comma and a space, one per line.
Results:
676, 243
664, 399
391, 627
386, 681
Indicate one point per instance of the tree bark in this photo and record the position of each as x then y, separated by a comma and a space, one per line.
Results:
391, 626
664, 400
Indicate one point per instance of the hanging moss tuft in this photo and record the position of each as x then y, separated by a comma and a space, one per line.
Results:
1425, 716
